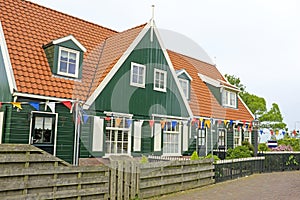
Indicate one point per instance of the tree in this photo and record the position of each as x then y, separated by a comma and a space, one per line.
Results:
257, 105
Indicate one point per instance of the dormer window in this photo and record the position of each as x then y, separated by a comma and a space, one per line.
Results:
65, 56
185, 87
185, 82
229, 98
68, 63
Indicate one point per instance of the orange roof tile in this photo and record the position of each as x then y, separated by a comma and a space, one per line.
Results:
202, 101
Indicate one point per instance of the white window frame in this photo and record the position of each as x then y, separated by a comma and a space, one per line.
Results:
137, 84
76, 63
164, 89
55, 128
225, 137
1, 125
113, 132
229, 99
181, 80
247, 138
173, 133
237, 135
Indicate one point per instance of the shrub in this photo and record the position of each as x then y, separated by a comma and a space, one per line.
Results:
238, 152
293, 142
214, 157
263, 147
195, 156
144, 160
283, 148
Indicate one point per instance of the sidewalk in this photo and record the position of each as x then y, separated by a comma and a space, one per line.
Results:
271, 186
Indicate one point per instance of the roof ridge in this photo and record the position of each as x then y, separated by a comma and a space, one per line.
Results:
68, 15
184, 55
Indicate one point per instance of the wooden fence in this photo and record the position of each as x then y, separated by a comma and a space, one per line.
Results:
27, 172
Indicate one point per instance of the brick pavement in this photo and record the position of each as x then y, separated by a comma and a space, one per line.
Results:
275, 186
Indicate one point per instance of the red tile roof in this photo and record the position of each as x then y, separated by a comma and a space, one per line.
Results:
202, 101
27, 27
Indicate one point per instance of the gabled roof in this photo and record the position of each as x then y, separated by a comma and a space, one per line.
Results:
27, 27
202, 101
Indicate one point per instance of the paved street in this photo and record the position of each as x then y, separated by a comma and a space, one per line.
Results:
275, 186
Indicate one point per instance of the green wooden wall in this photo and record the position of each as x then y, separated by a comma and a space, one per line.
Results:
5, 95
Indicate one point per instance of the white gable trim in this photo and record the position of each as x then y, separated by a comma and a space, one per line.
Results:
7, 63
117, 66
209, 80
172, 70
70, 37
183, 71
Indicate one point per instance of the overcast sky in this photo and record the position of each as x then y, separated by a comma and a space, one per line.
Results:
255, 40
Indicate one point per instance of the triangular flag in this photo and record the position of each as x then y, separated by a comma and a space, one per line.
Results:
151, 122
193, 121
128, 122
225, 122
17, 104
118, 121
36, 105
207, 123
219, 122
162, 123
107, 118
85, 118
261, 132
51, 105
68, 104
230, 122
174, 123
0, 105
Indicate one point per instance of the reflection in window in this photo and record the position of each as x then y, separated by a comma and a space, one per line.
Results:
43, 130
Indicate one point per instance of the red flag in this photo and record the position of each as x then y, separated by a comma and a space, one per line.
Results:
151, 122
0, 105
107, 118
68, 104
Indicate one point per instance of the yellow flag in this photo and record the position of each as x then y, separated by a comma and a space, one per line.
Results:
118, 121
17, 104
163, 123
225, 122
207, 123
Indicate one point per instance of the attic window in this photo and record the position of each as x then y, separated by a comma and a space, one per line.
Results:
137, 77
229, 98
68, 62
160, 80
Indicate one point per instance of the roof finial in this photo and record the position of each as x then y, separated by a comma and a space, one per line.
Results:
152, 12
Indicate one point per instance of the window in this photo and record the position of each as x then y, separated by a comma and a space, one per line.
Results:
237, 137
185, 87
43, 128
171, 139
229, 99
222, 138
160, 80
68, 63
137, 77
201, 136
247, 136
117, 138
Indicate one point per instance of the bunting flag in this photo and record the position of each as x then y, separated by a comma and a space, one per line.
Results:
283, 132
129, 122
230, 122
271, 131
17, 104
261, 132
151, 123
200, 125
239, 128
68, 104
225, 122
174, 123
207, 123
107, 118
194, 120
237, 122
219, 122
36, 105
0, 105
118, 121
277, 132
51, 105
85, 118
162, 123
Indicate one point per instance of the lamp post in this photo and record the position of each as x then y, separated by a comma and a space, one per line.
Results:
255, 124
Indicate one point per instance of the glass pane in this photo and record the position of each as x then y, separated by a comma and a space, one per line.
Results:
39, 122
64, 55
48, 123
134, 78
141, 72
63, 66
141, 80
72, 68
135, 70
72, 58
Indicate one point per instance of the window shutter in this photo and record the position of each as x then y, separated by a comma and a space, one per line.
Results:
185, 136
1, 125
137, 130
98, 134
157, 137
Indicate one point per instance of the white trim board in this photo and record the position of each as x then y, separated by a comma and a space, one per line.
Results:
70, 37
7, 63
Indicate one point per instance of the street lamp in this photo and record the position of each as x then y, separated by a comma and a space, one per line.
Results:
255, 124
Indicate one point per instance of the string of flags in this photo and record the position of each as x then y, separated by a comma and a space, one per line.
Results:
82, 117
